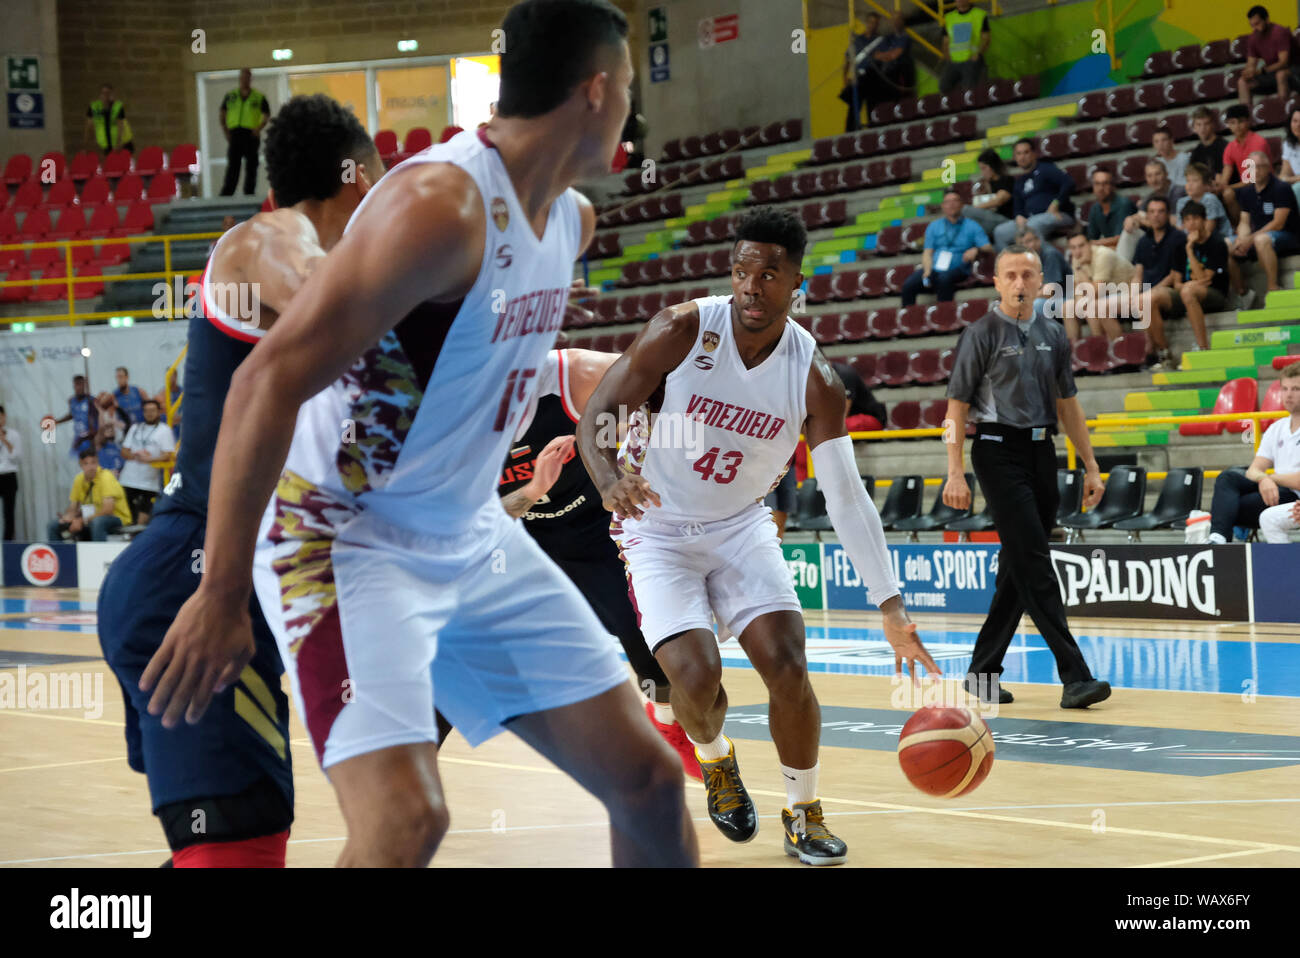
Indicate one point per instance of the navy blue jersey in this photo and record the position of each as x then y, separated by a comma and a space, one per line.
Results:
217, 345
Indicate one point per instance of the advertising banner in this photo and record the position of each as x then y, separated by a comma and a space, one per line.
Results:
40, 564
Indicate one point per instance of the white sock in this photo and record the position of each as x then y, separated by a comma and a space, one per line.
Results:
1218, 539
664, 713
800, 784
720, 747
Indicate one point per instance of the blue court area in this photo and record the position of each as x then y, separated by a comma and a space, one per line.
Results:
1171, 663
48, 615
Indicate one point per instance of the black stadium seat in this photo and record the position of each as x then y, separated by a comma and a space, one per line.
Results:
903, 501
1125, 492
938, 516
1180, 494
1069, 488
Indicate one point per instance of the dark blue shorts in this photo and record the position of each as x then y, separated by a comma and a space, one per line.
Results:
244, 735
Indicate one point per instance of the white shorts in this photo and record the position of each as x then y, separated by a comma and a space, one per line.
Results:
378, 626
1275, 523
733, 567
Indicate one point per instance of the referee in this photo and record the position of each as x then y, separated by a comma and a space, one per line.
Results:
1013, 379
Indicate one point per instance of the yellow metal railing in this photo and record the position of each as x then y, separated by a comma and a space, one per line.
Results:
1070, 453
171, 408
172, 310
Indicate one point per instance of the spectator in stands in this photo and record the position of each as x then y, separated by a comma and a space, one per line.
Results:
97, 505
1175, 163
1137, 224
991, 204
1205, 284
1270, 217
893, 72
107, 448
130, 399
965, 38
106, 124
1161, 264
1276, 521
1210, 146
1055, 270
1236, 154
1108, 213
11, 454
1272, 45
857, 71
952, 244
243, 113
1041, 196
83, 414
1239, 498
1197, 187
1290, 173
111, 413
148, 442
1101, 287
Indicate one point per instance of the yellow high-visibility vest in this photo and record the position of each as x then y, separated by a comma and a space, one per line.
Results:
104, 138
241, 112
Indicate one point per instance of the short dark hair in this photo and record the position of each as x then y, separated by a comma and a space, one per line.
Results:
1015, 249
1291, 371
549, 49
1075, 230
306, 145
1162, 129
993, 161
1157, 198
1193, 208
1027, 141
1238, 111
78, 377
1205, 113
1257, 10
780, 227
121, 369
1200, 169
2, 410
151, 402
953, 191
87, 452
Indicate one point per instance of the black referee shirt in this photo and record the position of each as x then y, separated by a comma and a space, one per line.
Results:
1012, 373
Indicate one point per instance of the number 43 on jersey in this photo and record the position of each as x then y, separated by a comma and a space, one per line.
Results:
725, 471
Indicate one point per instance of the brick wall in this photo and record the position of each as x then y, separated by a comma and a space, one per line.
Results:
138, 46
143, 47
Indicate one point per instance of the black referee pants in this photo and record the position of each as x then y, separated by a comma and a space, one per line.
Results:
243, 146
1018, 477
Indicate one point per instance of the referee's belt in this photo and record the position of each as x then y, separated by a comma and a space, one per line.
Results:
1032, 434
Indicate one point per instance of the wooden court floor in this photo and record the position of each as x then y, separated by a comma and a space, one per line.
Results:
67, 797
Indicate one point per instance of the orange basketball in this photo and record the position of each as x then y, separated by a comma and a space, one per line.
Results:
945, 752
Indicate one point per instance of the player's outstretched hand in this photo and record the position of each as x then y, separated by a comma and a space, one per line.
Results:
207, 646
625, 496
549, 463
900, 632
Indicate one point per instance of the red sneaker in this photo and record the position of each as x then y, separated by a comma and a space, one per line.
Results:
675, 736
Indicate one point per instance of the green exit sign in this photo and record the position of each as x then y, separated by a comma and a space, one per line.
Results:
24, 73
658, 25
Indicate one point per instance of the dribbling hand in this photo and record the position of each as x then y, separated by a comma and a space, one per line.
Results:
207, 646
627, 494
900, 633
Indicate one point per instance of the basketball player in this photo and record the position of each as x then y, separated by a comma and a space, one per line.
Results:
545, 482
694, 531
407, 360
233, 767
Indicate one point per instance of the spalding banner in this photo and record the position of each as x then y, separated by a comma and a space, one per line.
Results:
1154, 582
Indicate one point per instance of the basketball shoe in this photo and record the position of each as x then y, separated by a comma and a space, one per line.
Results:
729, 804
675, 736
808, 839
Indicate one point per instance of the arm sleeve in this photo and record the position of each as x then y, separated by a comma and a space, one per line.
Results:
854, 517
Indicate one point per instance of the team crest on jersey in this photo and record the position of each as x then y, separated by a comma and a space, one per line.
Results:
500, 213
710, 340
505, 256
704, 362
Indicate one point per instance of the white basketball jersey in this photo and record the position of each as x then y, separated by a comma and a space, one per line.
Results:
725, 433
415, 432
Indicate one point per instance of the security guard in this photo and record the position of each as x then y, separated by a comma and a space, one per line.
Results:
243, 114
106, 122
1013, 379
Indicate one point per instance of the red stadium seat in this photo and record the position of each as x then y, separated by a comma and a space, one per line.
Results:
1237, 395
829, 181
139, 219
719, 263
1140, 131
1272, 401
1149, 97
674, 269
35, 226
1121, 101
386, 145
103, 221
29, 195
110, 254
91, 289
71, 224
925, 366
17, 294
854, 326
116, 164
905, 415
1215, 53
1079, 173
652, 303
970, 310
1112, 137
933, 413
8, 227
895, 368
914, 135
162, 188
942, 317
866, 143
18, 169
1215, 86
692, 147
1054, 145
947, 359
889, 241
52, 167
891, 140
1000, 91
84, 165
1281, 362
864, 364
871, 283
912, 320
50, 292
826, 329
844, 286
130, 188
1179, 125
417, 138
1158, 64
61, 194
883, 323
913, 235
897, 276
652, 272
1270, 112
1237, 48
1092, 353
1181, 91
854, 176
1082, 142
1129, 351
1190, 57
905, 109
1132, 172
150, 161
184, 160
819, 288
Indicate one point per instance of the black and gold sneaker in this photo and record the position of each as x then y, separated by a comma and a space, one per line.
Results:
729, 803
808, 839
